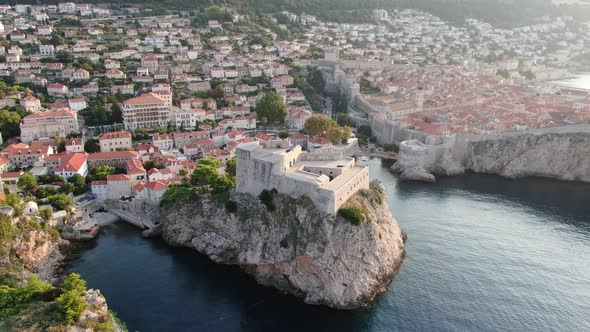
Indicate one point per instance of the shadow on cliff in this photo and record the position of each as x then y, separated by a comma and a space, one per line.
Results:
257, 308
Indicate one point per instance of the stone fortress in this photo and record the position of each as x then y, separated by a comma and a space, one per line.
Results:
329, 179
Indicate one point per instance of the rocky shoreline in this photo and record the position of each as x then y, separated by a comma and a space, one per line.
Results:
323, 259
34, 250
563, 156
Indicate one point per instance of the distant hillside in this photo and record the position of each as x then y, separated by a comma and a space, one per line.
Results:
498, 12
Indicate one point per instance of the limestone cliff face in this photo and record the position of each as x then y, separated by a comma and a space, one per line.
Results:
564, 156
32, 251
323, 259
39, 253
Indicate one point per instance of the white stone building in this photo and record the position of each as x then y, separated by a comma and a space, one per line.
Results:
328, 179
115, 141
146, 111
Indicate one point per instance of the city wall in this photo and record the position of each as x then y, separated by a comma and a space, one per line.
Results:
452, 154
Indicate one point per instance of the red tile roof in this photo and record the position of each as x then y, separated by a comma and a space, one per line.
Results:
156, 185
118, 177
74, 164
146, 98
113, 155
115, 134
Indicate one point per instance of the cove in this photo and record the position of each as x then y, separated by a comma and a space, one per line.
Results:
483, 254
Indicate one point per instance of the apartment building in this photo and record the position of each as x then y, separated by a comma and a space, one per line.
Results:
115, 141
146, 111
47, 124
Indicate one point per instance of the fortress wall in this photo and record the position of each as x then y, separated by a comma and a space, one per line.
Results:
323, 199
360, 181
321, 156
560, 157
323, 170
366, 106
413, 153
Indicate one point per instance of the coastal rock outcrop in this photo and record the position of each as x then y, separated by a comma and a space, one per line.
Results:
40, 253
31, 250
289, 245
560, 155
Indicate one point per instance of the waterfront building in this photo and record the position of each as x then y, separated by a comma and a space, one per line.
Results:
328, 179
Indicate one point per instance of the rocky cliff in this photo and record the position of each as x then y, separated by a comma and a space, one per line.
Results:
31, 249
564, 156
323, 259
561, 156
27, 248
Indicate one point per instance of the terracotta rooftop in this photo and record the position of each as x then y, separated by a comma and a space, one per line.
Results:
118, 177
74, 164
146, 98
113, 155
115, 134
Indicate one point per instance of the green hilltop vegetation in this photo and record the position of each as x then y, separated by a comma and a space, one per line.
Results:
499, 12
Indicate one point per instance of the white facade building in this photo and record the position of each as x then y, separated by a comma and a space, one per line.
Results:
328, 179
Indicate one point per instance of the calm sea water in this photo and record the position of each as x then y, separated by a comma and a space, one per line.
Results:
581, 81
483, 254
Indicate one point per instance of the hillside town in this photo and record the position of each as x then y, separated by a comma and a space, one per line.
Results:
127, 103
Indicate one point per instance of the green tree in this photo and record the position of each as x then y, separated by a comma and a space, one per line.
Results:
35, 286
66, 188
141, 133
79, 183
175, 194
27, 182
272, 107
152, 164
14, 201
283, 134
13, 299
65, 57
60, 142
92, 146
70, 306
204, 175
211, 161
183, 172
74, 282
44, 192
57, 39
100, 173
345, 134
334, 134
230, 167
223, 183
319, 125
343, 119
9, 124
60, 201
